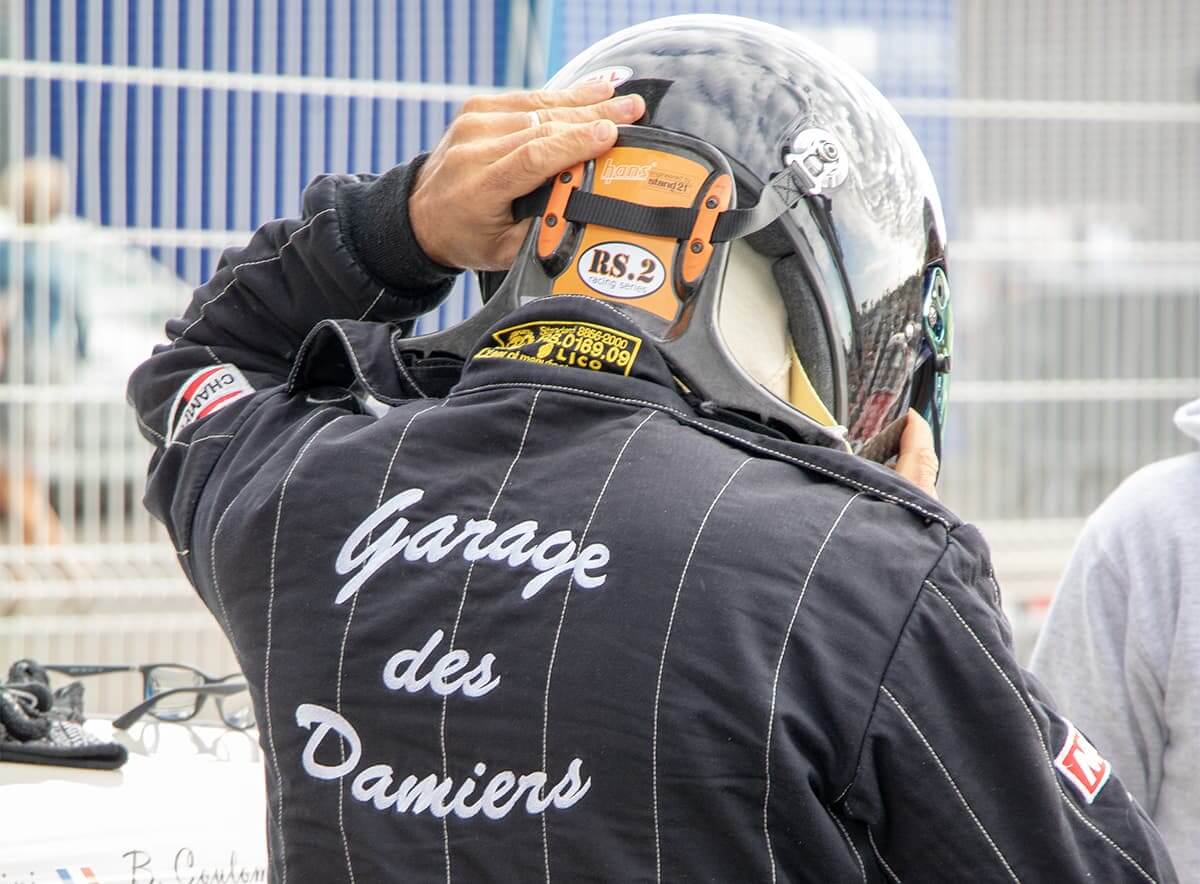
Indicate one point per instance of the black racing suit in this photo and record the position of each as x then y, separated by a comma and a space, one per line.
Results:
547, 621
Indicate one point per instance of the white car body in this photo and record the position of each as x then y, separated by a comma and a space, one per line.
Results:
188, 806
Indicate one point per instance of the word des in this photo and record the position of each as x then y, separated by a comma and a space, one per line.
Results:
403, 671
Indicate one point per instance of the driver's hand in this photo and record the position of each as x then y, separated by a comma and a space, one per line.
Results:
460, 207
918, 460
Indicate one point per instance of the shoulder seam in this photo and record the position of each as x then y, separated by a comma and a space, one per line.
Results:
224, 449
703, 427
233, 278
862, 743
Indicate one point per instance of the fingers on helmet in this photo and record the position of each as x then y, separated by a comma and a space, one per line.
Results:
539, 158
918, 461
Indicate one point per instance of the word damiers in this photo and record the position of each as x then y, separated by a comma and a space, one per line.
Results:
501, 793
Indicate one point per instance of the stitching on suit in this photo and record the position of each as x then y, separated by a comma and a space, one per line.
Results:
212, 354
198, 439
775, 682
562, 618
338, 702
591, 300
358, 372
314, 401
312, 417
233, 274
212, 557
1042, 738
862, 868
691, 421
239, 421
462, 602
336, 325
270, 616
149, 429
879, 856
887, 668
995, 585
378, 297
212, 568
942, 767
217, 529
404, 369
662, 662
345, 639
299, 360
396, 451
300, 354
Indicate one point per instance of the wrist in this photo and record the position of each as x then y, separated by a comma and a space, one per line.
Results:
379, 228
424, 227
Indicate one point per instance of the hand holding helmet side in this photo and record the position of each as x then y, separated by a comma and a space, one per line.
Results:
494, 152
918, 460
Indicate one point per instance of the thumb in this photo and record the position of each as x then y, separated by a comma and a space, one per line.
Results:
918, 461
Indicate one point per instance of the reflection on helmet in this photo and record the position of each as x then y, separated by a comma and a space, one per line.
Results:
858, 265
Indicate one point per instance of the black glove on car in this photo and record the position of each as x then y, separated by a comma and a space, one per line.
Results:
65, 703
40, 727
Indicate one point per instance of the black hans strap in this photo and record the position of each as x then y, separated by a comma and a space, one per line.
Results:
781, 194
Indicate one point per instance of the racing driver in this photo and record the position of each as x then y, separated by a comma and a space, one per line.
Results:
577, 603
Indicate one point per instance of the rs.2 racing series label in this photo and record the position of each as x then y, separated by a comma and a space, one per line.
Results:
621, 270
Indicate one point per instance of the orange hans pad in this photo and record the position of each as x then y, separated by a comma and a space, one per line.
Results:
554, 226
699, 245
632, 268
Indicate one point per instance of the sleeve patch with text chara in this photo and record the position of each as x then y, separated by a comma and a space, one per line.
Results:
204, 393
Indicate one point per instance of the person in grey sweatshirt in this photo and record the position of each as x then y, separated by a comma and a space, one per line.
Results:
1120, 650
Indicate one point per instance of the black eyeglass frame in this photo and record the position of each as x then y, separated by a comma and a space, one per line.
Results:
218, 688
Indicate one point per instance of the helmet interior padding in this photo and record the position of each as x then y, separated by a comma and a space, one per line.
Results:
808, 327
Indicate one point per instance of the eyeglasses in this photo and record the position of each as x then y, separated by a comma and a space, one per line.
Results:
176, 692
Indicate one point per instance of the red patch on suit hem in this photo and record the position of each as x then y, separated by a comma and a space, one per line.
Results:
1083, 767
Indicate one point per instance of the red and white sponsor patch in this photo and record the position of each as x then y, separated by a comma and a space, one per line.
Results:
1084, 767
205, 393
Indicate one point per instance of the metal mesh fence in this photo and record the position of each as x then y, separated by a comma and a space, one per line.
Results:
149, 135
1063, 136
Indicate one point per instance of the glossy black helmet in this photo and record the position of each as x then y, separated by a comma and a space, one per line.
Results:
856, 269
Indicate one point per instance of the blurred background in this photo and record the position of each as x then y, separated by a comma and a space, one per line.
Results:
139, 137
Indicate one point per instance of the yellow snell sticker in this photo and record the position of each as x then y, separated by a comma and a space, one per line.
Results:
572, 344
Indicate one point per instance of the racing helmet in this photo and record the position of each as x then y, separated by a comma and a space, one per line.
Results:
827, 299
